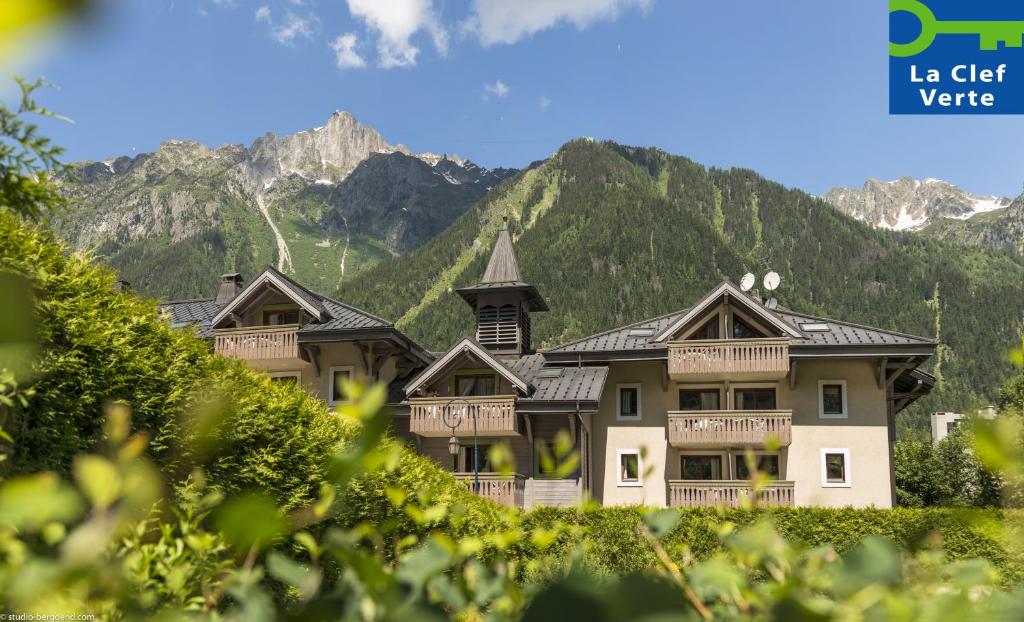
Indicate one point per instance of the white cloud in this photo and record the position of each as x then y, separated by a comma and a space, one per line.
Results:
543, 102
345, 52
498, 89
500, 21
292, 28
230, 4
263, 14
394, 23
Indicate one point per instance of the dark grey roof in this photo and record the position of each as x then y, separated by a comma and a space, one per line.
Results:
571, 384
312, 298
839, 334
502, 267
344, 317
198, 312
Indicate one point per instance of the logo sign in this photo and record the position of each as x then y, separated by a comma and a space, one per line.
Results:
956, 57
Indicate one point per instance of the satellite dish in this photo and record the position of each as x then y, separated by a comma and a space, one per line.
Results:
772, 304
747, 281
771, 281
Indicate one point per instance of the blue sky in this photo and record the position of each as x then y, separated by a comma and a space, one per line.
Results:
794, 89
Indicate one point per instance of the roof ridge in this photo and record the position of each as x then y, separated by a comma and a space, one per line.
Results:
185, 300
864, 326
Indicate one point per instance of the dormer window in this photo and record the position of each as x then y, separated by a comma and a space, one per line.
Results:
742, 330
278, 317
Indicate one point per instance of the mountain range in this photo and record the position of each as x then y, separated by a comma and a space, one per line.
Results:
323, 204
610, 234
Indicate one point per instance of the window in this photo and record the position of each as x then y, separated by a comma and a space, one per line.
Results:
629, 468
766, 463
280, 316
484, 451
835, 468
628, 403
475, 384
951, 425
742, 330
701, 467
708, 331
285, 377
755, 399
338, 376
832, 399
699, 399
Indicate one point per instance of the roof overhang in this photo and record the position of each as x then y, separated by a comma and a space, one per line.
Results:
736, 296
386, 333
467, 346
529, 292
267, 277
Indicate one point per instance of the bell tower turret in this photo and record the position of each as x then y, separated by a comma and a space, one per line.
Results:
503, 302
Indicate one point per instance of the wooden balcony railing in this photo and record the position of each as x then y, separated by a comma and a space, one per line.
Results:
746, 358
728, 493
495, 416
255, 343
502, 489
717, 428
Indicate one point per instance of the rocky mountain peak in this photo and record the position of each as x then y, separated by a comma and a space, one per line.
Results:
910, 204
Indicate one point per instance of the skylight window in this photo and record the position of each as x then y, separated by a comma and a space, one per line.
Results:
641, 332
549, 372
815, 327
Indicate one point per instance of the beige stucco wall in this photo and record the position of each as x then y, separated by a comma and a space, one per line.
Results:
864, 434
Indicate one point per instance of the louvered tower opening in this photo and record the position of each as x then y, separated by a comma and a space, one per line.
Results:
498, 327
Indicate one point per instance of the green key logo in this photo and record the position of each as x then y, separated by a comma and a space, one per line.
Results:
990, 33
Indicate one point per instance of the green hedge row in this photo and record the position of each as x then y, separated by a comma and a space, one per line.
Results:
612, 544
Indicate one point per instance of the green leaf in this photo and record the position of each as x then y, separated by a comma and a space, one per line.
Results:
99, 480
249, 521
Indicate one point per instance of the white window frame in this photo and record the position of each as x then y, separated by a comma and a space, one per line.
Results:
639, 468
297, 374
639, 401
846, 468
351, 369
821, 400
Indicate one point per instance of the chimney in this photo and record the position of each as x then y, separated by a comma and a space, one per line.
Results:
230, 286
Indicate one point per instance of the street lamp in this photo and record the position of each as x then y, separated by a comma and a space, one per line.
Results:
452, 418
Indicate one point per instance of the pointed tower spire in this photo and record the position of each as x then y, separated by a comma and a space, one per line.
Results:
502, 301
503, 267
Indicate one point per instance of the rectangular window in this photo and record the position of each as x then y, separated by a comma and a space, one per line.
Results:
832, 399
483, 451
476, 384
699, 399
766, 463
285, 377
628, 468
280, 317
628, 403
755, 399
701, 467
339, 375
835, 468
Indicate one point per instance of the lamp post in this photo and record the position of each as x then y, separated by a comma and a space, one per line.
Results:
452, 418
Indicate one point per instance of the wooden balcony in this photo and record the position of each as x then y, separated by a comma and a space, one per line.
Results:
258, 343
501, 489
729, 428
727, 493
735, 359
495, 415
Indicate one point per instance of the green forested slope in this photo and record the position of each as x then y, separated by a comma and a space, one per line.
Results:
612, 234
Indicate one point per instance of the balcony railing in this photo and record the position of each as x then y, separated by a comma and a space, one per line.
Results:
728, 493
739, 358
499, 488
256, 343
717, 428
495, 416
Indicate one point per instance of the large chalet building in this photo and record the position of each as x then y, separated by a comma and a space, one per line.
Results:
661, 412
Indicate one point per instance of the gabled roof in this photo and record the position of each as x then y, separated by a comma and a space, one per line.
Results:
559, 384
310, 302
737, 297
198, 312
468, 346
